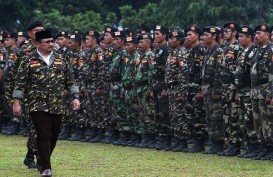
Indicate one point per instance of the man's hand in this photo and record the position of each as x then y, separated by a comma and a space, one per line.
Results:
198, 95
76, 104
164, 93
17, 110
215, 96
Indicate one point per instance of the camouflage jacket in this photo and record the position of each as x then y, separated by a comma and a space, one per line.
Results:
63, 51
158, 74
115, 70
242, 73
262, 73
211, 82
228, 65
45, 84
144, 71
195, 60
95, 55
130, 64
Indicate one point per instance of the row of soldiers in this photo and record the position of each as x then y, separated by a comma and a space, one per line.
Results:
160, 91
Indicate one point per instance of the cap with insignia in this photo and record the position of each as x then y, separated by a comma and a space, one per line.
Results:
220, 30
232, 25
92, 33
43, 35
145, 36
210, 29
263, 28
162, 29
33, 24
120, 34
175, 33
10, 35
246, 30
131, 40
110, 30
62, 33
193, 28
128, 32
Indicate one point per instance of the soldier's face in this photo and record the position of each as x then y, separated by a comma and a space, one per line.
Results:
32, 32
143, 45
208, 38
130, 48
73, 44
261, 37
9, 42
159, 37
227, 34
173, 42
62, 41
46, 45
90, 41
20, 39
244, 40
108, 38
103, 45
118, 42
192, 37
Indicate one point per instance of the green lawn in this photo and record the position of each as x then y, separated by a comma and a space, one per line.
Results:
75, 159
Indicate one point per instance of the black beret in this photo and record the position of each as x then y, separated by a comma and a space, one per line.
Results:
175, 33
76, 31
33, 24
43, 35
193, 28
220, 30
145, 36
10, 35
110, 30
131, 40
128, 32
162, 29
271, 28
211, 29
120, 34
246, 30
232, 25
62, 33
263, 28
92, 33
75, 36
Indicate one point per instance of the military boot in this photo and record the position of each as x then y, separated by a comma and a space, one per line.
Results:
76, 136
252, 150
114, 137
216, 147
64, 131
232, 150
136, 140
198, 146
152, 142
68, 133
126, 138
163, 143
29, 160
269, 155
263, 152
182, 146
99, 137
15, 128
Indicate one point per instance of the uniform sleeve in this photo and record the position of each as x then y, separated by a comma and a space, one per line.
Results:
270, 77
217, 84
70, 81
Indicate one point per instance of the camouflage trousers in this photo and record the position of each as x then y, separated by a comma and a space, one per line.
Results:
80, 116
231, 116
128, 124
162, 113
91, 111
246, 121
214, 118
118, 113
177, 115
146, 112
263, 121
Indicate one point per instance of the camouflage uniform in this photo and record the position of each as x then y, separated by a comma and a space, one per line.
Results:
211, 84
231, 115
261, 87
242, 78
195, 106
176, 77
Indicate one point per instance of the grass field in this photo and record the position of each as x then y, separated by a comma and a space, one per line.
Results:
75, 159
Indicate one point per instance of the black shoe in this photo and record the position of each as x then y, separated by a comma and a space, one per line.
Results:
216, 148
261, 155
164, 143
269, 156
118, 142
99, 137
232, 150
198, 146
30, 163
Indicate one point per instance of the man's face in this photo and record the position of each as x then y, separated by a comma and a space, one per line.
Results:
20, 39
90, 41
159, 37
46, 45
228, 34
271, 38
192, 37
73, 44
261, 37
108, 38
103, 44
244, 39
62, 41
143, 45
32, 32
208, 38
118, 42
9, 42
173, 42
130, 48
